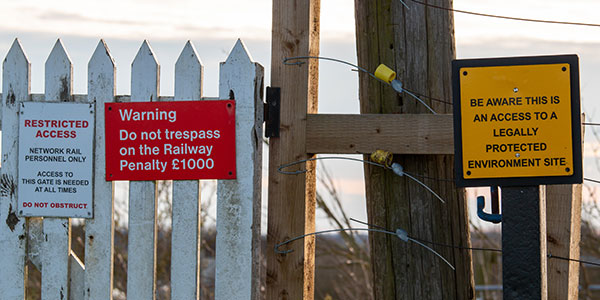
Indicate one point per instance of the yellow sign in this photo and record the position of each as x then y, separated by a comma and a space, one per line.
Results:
516, 121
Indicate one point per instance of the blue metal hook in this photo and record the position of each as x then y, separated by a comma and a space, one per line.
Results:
494, 217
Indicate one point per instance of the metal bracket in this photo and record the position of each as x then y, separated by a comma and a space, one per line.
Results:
272, 112
494, 217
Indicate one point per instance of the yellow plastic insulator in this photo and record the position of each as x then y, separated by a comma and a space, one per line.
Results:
384, 73
382, 157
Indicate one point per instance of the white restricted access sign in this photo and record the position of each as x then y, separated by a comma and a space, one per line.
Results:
56, 159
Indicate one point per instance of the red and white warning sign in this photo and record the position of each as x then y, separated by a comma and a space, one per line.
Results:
170, 140
55, 159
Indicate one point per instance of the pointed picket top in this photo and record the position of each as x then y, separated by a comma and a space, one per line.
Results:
16, 55
145, 74
16, 74
101, 74
239, 53
188, 74
188, 55
144, 54
59, 74
101, 57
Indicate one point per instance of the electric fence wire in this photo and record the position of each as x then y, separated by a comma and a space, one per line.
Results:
429, 242
287, 59
505, 17
401, 234
591, 180
396, 168
407, 174
550, 255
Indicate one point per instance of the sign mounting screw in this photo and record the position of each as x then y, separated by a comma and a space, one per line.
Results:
516, 90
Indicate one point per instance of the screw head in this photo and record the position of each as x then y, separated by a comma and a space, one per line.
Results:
516, 90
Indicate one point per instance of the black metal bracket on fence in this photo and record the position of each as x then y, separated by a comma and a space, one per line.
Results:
272, 112
494, 217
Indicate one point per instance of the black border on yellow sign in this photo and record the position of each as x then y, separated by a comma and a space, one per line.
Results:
573, 61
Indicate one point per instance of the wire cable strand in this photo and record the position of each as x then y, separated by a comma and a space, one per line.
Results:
360, 229
280, 169
475, 248
592, 180
430, 98
429, 242
506, 17
286, 61
422, 102
575, 260
396, 168
425, 186
590, 124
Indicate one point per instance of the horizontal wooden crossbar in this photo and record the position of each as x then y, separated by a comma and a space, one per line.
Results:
365, 133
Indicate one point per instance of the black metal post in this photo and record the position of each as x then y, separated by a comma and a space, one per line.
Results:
524, 254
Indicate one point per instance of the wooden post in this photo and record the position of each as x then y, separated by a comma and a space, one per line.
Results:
186, 232
16, 86
291, 208
141, 264
524, 251
99, 231
239, 200
563, 229
563, 215
418, 44
57, 231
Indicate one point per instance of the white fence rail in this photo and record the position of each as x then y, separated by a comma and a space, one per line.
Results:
46, 243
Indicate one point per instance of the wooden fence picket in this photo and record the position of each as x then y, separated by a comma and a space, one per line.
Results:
16, 86
99, 231
141, 261
185, 235
57, 231
239, 201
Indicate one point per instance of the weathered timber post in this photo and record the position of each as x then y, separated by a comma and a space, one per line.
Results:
418, 43
292, 197
563, 235
563, 215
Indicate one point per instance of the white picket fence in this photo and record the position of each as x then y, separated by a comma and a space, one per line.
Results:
46, 243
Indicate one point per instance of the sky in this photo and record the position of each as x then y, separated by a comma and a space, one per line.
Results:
214, 26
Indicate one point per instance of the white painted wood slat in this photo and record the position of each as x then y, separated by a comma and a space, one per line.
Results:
16, 82
76, 275
99, 231
57, 244
141, 264
239, 201
185, 238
